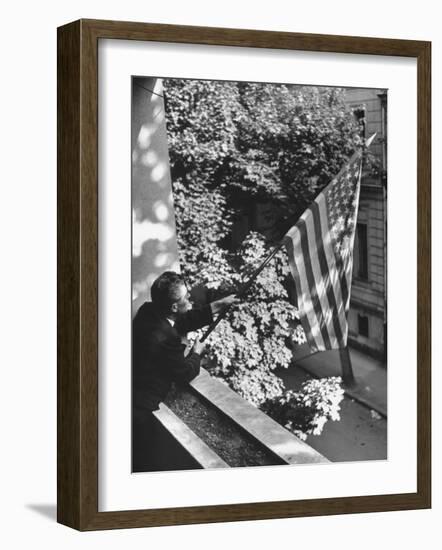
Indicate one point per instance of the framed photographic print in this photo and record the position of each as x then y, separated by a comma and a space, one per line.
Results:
243, 219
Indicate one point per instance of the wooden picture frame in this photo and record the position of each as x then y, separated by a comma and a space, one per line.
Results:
77, 223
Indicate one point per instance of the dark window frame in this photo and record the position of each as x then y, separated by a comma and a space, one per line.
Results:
361, 257
363, 326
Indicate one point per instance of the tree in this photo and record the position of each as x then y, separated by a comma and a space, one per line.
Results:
251, 342
293, 140
201, 128
233, 146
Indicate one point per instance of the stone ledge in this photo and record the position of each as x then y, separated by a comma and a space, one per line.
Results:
282, 443
186, 439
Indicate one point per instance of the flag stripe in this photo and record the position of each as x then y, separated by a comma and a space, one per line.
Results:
311, 283
342, 279
303, 318
332, 268
327, 274
304, 292
321, 281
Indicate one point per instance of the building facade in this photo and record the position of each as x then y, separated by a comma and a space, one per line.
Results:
368, 306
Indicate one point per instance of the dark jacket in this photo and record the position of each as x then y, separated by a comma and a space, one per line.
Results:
158, 354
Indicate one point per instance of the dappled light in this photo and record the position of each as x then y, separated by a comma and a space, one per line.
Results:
149, 158
161, 210
145, 231
163, 260
158, 173
154, 247
145, 135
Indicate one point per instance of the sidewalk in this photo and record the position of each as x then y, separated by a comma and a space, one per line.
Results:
370, 374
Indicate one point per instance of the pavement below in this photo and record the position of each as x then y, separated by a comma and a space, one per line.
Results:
370, 374
359, 435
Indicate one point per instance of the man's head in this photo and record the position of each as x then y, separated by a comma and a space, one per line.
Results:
169, 294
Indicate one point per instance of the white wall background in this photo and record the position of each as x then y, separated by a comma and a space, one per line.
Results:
28, 274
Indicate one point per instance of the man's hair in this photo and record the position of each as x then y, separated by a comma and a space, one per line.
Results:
166, 290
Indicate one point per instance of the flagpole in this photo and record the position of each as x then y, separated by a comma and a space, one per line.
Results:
346, 368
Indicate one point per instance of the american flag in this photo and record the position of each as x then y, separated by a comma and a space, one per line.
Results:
320, 250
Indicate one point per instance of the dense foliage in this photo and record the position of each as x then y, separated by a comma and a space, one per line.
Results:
234, 147
305, 411
251, 342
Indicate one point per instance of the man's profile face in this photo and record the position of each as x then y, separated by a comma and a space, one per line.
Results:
183, 304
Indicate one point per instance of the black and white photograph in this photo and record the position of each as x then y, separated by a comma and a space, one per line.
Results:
259, 274
217, 285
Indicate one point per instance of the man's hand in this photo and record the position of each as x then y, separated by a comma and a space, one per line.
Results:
198, 346
219, 305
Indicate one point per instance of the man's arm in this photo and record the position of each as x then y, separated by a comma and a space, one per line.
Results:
200, 317
194, 319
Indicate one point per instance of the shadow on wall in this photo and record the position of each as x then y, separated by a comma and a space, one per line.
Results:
154, 246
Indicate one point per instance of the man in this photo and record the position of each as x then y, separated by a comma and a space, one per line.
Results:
158, 354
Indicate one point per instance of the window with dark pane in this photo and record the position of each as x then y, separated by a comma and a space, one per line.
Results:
363, 325
361, 252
